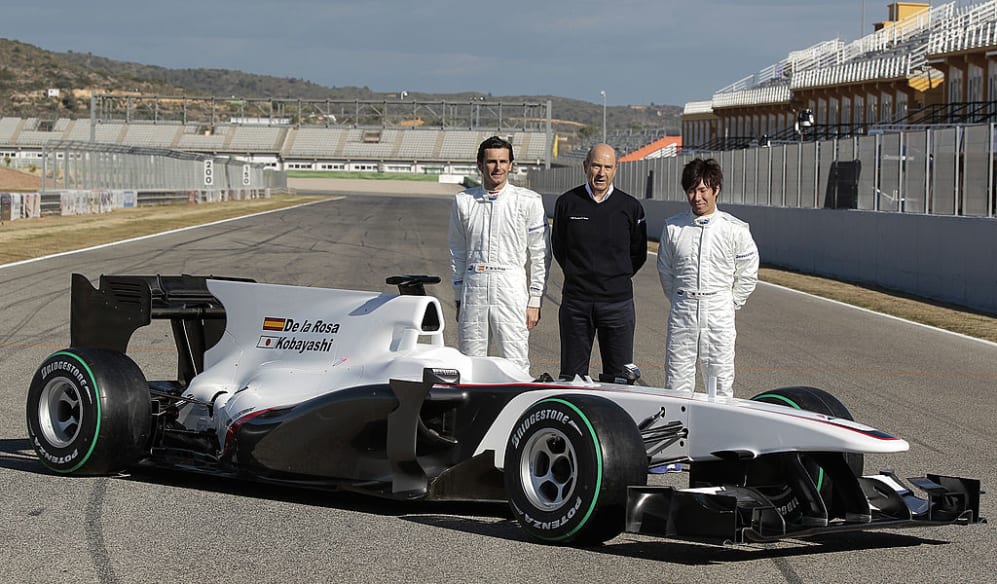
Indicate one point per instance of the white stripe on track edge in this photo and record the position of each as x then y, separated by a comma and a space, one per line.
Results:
151, 235
883, 314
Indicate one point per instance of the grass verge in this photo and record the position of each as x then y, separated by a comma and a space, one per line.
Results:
30, 238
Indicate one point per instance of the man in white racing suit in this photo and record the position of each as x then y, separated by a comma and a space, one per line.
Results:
499, 259
708, 264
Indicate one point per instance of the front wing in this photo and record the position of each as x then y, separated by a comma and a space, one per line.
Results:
731, 514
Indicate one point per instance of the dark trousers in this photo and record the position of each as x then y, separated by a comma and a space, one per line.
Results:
579, 320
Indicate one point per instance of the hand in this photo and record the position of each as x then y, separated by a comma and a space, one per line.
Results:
532, 318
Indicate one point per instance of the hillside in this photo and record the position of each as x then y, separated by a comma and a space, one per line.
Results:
26, 72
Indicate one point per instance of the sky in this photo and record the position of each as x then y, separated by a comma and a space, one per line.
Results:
638, 52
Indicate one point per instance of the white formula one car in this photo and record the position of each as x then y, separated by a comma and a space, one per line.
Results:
352, 390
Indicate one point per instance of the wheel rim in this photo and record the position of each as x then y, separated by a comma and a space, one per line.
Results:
60, 412
549, 469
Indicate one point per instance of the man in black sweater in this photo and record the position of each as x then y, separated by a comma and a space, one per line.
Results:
600, 241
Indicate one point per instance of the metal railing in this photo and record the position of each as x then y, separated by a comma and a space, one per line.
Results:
898, 66
757, 96
969, 28
940, 115
832, 53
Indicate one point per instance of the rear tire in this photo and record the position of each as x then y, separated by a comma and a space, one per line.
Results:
88, 412
568, 464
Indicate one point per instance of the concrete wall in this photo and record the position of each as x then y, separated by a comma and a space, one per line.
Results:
950, 259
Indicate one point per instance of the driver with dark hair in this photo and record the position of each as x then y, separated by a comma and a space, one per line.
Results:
499, 259
708, 264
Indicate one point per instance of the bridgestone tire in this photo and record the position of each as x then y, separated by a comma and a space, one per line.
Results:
568, 463
815, 400
89, 412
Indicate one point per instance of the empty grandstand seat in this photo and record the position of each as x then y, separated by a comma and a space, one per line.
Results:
256, 139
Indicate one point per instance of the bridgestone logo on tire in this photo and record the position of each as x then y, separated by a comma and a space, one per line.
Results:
69, 368
539, 416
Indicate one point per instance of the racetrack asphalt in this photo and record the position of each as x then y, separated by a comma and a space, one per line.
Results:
930, 387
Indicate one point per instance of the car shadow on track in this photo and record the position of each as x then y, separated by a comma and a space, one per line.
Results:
692, 553
17, 454
452, 519
701, 554
328, 498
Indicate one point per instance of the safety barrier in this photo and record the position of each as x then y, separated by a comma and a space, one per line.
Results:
14, 206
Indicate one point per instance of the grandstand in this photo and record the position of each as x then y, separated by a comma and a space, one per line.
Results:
924, 66
290, 134
346, 136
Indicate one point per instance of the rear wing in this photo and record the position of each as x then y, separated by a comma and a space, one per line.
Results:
106, 317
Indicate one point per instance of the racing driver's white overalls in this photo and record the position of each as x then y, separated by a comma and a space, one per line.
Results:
494, 240
708, 267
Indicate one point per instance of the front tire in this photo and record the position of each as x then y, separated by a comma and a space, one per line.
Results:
568, 464
815, 400
88, 412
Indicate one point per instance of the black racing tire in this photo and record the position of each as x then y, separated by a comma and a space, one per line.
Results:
568, 463
89, 412
817, 400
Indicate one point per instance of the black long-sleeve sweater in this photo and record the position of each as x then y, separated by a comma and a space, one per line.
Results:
599, 246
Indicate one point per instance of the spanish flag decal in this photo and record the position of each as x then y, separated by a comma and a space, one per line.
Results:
271, 323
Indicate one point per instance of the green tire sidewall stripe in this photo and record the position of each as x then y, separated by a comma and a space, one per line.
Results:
96, 396
792, 404
598, 474
781, 398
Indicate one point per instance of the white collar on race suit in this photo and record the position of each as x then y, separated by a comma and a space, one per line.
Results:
588, 189
704, 219
492, 195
